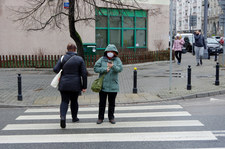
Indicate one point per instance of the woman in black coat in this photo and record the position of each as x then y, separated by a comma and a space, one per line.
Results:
73, 80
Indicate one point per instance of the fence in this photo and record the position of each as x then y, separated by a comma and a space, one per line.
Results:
49, 61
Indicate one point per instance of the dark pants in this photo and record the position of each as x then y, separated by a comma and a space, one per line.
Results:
178, 56
67, 97
102, 104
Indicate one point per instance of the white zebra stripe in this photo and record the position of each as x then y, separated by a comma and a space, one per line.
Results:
109, 137
155, 107
142, 124
117, 115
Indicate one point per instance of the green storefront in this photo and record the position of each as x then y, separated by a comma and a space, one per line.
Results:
127, 29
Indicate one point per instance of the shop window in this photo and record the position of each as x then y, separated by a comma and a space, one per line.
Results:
141, 22
101, 38
128, 22
123, 27
101, 21
115, 21
115, 38
128, 38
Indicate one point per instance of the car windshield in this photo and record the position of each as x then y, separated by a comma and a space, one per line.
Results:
211, 40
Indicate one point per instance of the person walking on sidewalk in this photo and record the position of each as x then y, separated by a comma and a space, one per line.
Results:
73, 80
110, 65
199, 46
177, 47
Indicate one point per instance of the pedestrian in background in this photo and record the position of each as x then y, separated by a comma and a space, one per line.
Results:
177, 47
73, 80
110, 65
199, 46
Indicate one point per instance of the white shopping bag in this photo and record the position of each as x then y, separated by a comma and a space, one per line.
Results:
55, 80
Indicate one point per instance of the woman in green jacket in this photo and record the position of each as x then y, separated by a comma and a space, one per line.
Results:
110, 65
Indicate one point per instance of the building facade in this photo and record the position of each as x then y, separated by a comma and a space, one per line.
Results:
214, 11
184, 10
133, 29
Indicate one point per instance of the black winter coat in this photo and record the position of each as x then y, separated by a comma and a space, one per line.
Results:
74, 74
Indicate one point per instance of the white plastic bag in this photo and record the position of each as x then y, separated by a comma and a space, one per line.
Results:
55, 80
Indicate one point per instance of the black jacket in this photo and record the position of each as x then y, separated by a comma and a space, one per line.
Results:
200, 41
74, 74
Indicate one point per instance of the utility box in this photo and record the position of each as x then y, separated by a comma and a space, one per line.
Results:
89, 48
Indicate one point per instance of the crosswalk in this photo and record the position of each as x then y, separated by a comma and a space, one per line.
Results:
134, 124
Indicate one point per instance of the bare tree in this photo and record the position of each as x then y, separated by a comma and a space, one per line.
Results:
49, 14
158, 44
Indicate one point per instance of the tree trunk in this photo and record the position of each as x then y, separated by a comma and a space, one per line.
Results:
73, 33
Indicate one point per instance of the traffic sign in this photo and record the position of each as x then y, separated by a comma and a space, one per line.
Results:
66, 5
193, 20
222, 20
221, 23
222, 2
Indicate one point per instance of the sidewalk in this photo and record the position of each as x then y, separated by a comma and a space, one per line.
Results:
153, 84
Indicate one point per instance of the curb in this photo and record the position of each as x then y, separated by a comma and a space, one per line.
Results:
191, 96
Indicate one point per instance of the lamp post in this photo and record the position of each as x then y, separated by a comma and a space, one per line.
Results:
205, 24
189, 2
171, 35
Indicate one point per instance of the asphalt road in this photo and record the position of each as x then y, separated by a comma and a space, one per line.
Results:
182, 124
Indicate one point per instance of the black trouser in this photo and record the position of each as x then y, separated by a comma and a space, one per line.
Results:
178, 56
102, 104
66, 97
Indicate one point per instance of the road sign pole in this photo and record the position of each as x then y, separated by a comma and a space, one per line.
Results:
171, 39
223, 44
205, 23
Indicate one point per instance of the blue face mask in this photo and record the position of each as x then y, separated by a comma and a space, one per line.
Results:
110, 54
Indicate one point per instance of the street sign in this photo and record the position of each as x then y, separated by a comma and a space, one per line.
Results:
221, 23
66, 5
221, 20
193, 20
222, 2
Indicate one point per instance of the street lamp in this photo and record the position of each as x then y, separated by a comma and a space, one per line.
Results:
205, 25
171, 35
189, 2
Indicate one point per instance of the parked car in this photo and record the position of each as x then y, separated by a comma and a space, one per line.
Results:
217, 38
222, 40
189, 42
213, 46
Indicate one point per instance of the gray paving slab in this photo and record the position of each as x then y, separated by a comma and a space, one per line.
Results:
153, 84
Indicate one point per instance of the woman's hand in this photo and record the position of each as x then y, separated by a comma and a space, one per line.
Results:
109, 65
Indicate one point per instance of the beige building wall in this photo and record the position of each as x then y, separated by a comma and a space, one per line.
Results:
158, 28
15, 40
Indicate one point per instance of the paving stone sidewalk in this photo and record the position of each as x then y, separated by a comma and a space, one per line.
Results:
153, 84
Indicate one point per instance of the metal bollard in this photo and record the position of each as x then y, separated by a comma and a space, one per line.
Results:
217, 82
216, 55
19, 78
135, 80
189, 78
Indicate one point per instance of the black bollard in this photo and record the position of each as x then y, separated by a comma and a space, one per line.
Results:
189, 78
20, 97
216, 55
135, 80
217, 82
